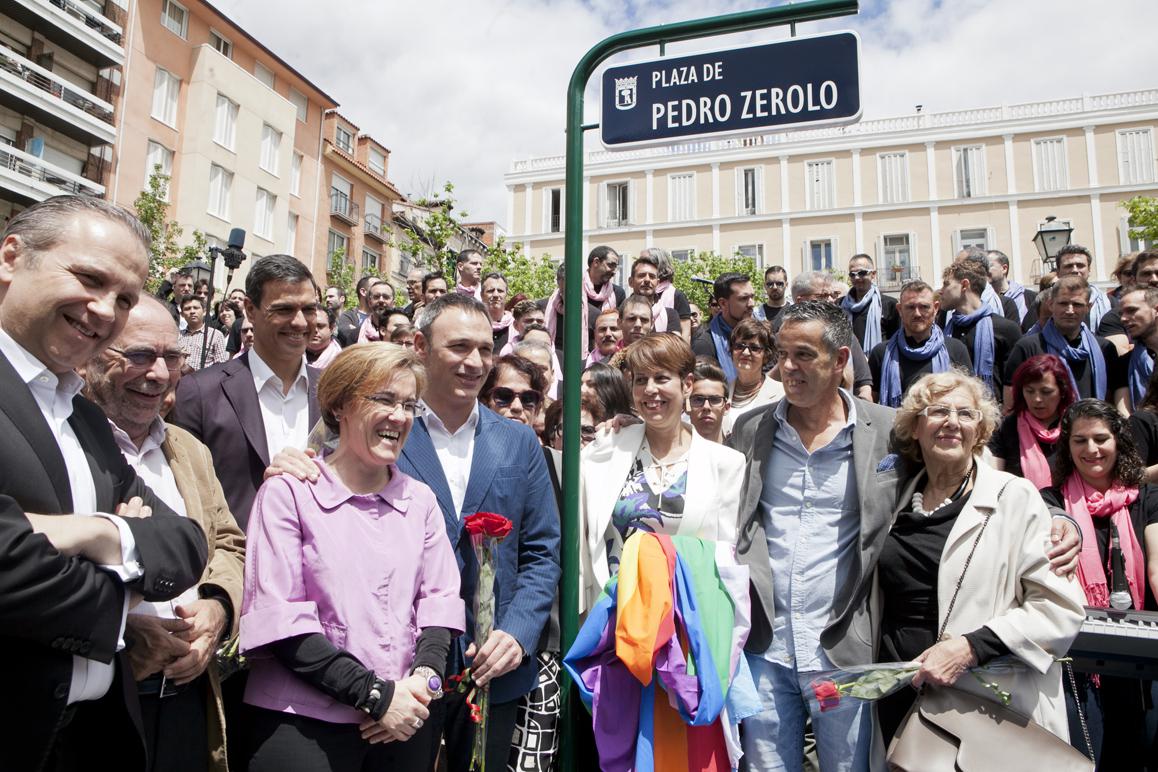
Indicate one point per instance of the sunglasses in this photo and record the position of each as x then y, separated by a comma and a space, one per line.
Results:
859, 274
699, 400
747, 348
774, 283
503, 397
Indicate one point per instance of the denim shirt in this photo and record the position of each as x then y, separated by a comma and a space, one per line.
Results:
812, 521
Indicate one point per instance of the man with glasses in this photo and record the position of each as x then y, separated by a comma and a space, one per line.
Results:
708, 402
1096, 370
872, 313
172, 642
776, 290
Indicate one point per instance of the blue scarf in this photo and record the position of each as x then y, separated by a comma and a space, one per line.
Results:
990, 298
1099, 307
1141, 366
872, 320
1016, 293
721, 332
983, 343
933, 348
1088, 349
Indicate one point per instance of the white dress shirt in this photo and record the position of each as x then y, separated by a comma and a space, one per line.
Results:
455, 451
152, 467
54, 395
285, 417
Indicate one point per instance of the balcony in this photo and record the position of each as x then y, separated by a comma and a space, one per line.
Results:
342, 207
74, 26
30, 179
32, 90
373, 228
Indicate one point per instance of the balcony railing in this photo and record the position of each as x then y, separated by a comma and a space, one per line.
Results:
373, 227
90, 19
342, 207
54, 86
41, 178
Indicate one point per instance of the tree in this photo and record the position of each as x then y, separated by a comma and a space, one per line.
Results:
533, 276
340, 273
430, 241
1143, 218
166, 253
690, 273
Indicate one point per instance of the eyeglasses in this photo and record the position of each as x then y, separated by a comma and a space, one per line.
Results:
859, 274
504, 397
747, 348
146, 357
699, 400
965, 415
409, 407
774, 283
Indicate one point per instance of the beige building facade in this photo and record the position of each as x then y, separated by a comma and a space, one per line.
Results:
910, 191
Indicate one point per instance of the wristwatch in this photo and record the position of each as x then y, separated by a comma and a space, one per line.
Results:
433, 680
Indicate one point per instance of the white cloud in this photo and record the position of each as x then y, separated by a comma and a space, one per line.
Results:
458, 90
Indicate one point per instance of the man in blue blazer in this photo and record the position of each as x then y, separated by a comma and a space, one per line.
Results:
474, 460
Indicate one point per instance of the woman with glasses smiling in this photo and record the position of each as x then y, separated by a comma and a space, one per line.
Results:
752, 348
955, 512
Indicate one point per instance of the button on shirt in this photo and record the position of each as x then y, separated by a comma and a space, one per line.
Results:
455, 451
153, 468
286, 417
812, 520
54, 395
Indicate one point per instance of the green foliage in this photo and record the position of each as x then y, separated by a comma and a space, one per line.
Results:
709, 265
429, 241
340, 273
533, 276
166, 254
1143, 217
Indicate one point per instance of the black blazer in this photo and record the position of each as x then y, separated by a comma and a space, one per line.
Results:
53, 606
218, 405
349, 325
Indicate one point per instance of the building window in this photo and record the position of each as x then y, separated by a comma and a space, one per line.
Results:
376, 160
618, 204
221, 44
893, 177
270, 148
755, 252
820, 254
156, 156
820, 182
220, 184
301, 102
1049, 164
296, 175
166, 89
225, 123
1135, 156
749, 190
973, 237
896, 258
684, 255
969, 171
340, 191
175, 18
370, 260
404, 263
263, 218
264, 74
335, 244
554, 201
681, 197
343, 139
291, 233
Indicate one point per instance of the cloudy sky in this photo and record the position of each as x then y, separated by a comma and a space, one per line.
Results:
458, 89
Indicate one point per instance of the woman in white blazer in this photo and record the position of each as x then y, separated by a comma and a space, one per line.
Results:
1011, 602
659, 475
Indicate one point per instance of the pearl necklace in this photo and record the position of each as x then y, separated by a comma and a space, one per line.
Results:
919, 499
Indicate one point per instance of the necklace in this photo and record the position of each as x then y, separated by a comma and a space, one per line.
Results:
919, 499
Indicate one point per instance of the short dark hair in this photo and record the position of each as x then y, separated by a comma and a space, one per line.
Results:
495, 275
429, 277
1128, 467
707, 370
363, 284
645, 260
837, 330
775, 269
524, 307
971, 269
753, 329
342, 292
1147, 256
519, 364
863, 256
190, 299
465, 254
1074, 249
434, 309
1071, 283
999, 256
600, 253
722, 286
331, 315
914, 285
275, 268
633, 300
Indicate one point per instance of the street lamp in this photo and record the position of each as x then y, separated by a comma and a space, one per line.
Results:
199, 269
1050, 238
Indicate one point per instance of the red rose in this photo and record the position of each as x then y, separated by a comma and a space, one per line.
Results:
826, 694
487, 524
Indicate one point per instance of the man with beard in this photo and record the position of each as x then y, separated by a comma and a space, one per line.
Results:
379, 301
607, 337
776, 289
735, 299
644, 280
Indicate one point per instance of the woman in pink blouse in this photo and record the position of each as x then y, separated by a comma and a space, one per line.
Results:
351, 587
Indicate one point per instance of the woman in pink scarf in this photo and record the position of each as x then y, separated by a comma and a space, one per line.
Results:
1027, 439
1098, 481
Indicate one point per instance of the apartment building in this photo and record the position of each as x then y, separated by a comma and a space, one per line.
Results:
237, 128
910, 190
60, 70
358, 198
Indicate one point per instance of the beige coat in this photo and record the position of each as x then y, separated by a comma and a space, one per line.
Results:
1010, 588
192, 467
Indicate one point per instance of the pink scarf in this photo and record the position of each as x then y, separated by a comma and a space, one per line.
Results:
554, 309
1034, 465
605, 297
1084, 503
368, 332
465, 290
512, 341
593, 358
503, 323
329, 353
665, 294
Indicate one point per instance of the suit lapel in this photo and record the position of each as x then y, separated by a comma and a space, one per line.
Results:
183, 477
239, 390
103, 486
762, 439
419, 451
21, 408
484, 461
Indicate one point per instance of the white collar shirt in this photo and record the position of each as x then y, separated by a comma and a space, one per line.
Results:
455, 451
285, 416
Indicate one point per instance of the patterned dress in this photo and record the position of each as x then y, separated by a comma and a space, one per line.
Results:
652, 500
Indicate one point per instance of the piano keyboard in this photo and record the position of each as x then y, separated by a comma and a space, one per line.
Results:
1118, 643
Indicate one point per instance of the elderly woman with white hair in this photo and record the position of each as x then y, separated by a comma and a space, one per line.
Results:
964, 575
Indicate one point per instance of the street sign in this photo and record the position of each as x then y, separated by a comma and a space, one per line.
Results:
788, 84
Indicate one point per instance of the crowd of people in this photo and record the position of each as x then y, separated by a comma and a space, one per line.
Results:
233, 531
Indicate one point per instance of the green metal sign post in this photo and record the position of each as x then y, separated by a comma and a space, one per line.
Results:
575, 261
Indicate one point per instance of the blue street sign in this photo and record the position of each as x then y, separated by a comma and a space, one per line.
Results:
802, 81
